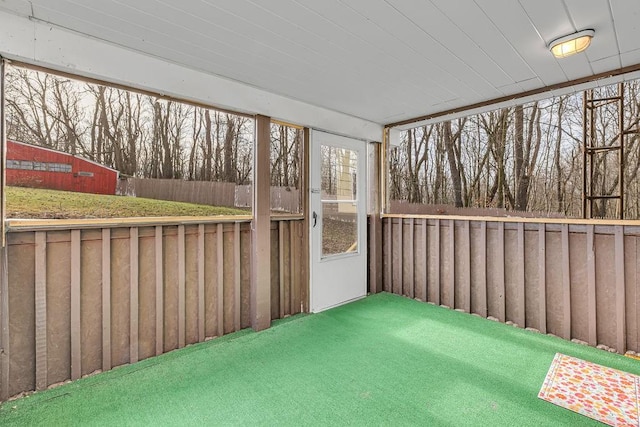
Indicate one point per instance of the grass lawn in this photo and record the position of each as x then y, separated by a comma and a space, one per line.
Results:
39, 203
383, 360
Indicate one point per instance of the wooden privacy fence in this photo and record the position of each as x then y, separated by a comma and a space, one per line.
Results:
85, 300
576, 281
283, 199
177, 190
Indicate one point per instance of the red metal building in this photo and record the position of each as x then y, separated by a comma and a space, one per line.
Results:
33, 166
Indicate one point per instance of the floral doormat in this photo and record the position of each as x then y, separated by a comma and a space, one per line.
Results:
604, 394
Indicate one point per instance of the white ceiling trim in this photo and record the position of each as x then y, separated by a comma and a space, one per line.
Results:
522, 100
48, 46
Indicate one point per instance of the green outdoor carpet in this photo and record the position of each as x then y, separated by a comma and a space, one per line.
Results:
384, 360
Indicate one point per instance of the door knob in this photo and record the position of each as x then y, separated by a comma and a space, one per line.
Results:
315, 219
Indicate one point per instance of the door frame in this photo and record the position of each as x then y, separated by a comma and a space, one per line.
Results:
315, 204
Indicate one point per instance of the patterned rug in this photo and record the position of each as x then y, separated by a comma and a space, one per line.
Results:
604, 394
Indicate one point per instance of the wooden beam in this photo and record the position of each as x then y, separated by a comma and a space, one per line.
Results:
305, 274
261, 228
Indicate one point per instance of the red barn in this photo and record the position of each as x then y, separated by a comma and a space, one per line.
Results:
39, 167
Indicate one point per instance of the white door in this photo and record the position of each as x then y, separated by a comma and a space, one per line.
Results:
338, 220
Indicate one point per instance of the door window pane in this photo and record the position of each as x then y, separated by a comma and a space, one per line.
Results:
339, 228
339, 200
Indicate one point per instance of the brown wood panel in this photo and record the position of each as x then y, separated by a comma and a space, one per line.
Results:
171, 288
146, 293
464, 267
201, 283
106, 299
478, 268
191, 284
181, 287
578, 273
448, 266
387, 248
220, 281
22, 338
409, 261
398, 247
58, 260
554, 282
275, 274
41, 352
134, 261
211, 281
375, 254
4, 325
76, 349
621, 321
159, 291
434, 248
495, 272
120, 297
531, 290
281, 279
605, 289
502, 299
245, 278
237, 302
592, 320
520, 314
91, 301
294, 264
542, 278
228, 281
422, 264
566, 284
631, 289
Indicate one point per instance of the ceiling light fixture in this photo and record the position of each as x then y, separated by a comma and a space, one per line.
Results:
572, 43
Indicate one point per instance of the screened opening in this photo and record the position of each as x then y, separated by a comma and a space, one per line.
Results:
70, 140
568, 156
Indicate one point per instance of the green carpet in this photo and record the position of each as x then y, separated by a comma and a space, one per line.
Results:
384, 360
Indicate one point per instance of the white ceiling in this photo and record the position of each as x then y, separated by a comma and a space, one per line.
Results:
379, 60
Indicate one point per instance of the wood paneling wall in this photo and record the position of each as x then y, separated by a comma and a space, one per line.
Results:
577, 281
87, 300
